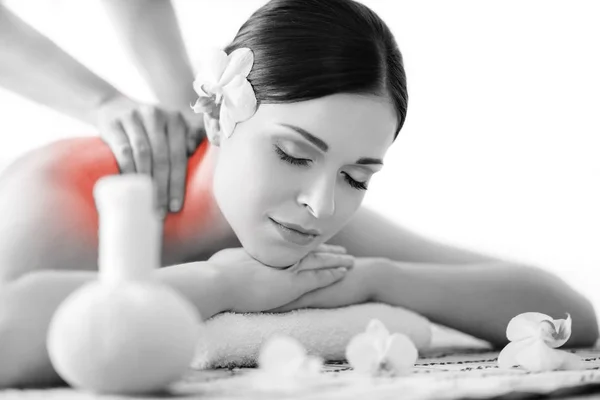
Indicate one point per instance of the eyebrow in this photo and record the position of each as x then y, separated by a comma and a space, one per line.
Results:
324, 147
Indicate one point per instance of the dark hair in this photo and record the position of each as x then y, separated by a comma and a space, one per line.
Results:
306, 49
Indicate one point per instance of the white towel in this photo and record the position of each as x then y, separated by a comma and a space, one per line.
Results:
234, 340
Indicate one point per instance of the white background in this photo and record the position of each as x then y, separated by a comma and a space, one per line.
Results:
500, 150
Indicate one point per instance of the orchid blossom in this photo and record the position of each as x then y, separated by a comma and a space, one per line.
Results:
534, 338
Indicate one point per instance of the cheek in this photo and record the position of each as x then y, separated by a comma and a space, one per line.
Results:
346, 204
247, 182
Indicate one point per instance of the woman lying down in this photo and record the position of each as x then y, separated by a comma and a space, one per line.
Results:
298, 117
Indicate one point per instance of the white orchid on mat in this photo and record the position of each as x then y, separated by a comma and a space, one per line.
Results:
284, 365
376, 352
534, 338
285, 356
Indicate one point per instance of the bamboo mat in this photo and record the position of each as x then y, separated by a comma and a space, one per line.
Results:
442, 374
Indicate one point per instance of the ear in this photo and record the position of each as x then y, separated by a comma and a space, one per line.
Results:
213, 130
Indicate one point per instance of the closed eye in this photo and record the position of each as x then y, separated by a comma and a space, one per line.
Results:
304, 162
292, 160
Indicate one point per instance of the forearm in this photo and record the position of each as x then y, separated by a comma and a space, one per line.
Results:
35, 67
28, 304
480, 299
150, 33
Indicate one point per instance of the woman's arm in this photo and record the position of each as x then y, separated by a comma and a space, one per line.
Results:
478, 298
481, 298
465, 290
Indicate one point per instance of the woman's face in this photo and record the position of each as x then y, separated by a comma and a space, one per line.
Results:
303, 164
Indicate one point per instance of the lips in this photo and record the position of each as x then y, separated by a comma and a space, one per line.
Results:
297, 228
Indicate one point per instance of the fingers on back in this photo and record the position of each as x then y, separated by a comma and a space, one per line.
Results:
177, 137
115, 137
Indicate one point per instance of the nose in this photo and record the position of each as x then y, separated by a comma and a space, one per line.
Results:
319, 197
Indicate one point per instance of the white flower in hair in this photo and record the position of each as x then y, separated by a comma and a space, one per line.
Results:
221, 81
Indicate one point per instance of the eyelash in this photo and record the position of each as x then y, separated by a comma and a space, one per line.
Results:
303, 162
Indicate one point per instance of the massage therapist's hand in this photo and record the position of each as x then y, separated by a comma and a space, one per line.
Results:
361, 285
253, 287
151, 140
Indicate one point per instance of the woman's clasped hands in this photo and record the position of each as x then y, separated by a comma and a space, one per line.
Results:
364, 283
254, 287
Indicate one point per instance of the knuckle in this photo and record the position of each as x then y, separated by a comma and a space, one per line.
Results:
325, 258
155, 113
126, 166
112, 127
141, 147
130, 119
131, 115
323, 274
123, 150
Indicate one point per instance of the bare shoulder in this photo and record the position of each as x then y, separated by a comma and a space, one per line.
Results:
371, 234
42, 221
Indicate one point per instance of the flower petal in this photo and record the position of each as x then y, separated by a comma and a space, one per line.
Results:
401, 354
240, 99
508, 356
199, 89
379, 334
240, 62
226, 121
212, 66
203, 105
539, 357
281, 355
526, 325
556, 332
362, 354
312, 366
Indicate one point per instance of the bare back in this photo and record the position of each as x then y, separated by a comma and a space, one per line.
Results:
48, 218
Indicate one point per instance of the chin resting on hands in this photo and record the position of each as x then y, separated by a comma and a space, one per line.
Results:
254, 287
